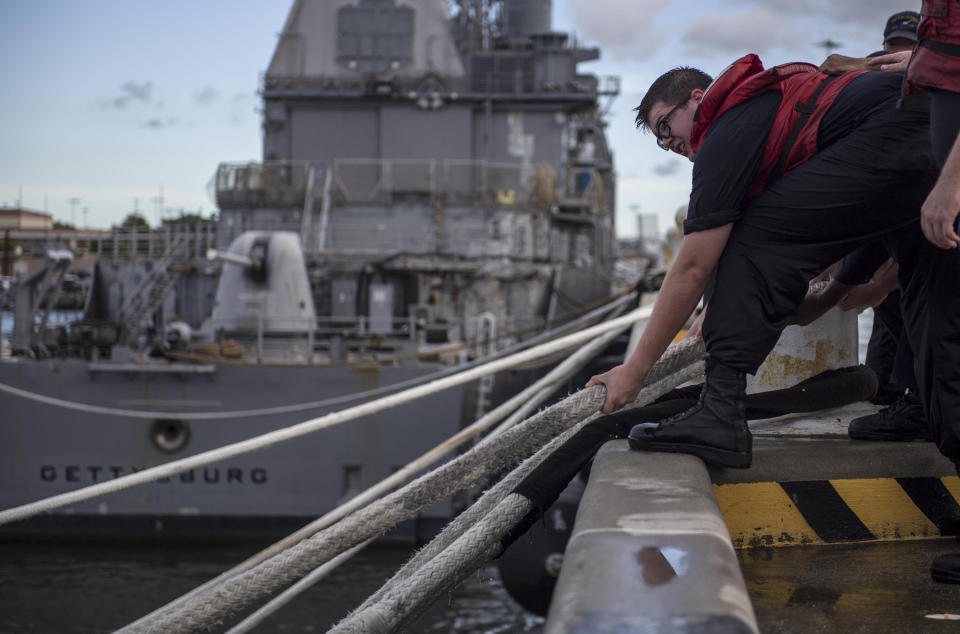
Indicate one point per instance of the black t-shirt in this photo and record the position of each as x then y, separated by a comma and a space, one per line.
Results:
730, 155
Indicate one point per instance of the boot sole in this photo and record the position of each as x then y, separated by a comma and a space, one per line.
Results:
873, 435
710, 455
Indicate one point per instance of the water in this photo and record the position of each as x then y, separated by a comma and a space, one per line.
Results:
48, 588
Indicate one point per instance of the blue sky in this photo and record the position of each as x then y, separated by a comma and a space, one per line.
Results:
115, 102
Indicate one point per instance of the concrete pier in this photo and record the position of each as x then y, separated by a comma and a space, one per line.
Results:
649, 552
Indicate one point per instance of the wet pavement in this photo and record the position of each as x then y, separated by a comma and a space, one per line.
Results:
873, 587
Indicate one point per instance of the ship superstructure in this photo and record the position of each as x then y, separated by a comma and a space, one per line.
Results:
443, 171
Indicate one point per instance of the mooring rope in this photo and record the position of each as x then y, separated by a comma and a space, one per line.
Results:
469, 543
533, 393
322, 422
512, 447
291, 593
311, 405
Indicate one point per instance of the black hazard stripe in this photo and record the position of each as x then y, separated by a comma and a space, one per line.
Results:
811, 512
826, 512
933, 498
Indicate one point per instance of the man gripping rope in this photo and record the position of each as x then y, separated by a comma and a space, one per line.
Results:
793, 169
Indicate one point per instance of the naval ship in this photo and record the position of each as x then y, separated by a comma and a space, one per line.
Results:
436, 186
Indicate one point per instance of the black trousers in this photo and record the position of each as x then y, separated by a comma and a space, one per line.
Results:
871, 183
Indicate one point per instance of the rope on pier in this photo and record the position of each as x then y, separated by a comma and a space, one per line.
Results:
534, 393
315, 424
468, 543
512, 447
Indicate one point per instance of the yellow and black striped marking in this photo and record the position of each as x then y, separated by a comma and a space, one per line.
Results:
770, 514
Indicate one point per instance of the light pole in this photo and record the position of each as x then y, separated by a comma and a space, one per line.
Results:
73, 210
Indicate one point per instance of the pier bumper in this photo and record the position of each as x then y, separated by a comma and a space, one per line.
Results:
649, 552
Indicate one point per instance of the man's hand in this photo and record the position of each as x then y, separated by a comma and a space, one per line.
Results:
623, 384
891, 62
863, 296
842, 63
938, 214
818, 301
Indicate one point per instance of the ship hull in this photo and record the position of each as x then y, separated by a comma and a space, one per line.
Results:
46, 450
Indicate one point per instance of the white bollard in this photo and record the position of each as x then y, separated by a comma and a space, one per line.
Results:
804, 351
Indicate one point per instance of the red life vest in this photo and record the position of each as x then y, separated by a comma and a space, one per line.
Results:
936, 58
807, 94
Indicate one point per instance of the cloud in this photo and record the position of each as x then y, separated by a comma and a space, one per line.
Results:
156, 123
207, 95
669, 168
131, 91
626, 27
871, 14
850, 22
757, 31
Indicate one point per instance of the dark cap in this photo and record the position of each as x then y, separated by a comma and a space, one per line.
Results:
902, 24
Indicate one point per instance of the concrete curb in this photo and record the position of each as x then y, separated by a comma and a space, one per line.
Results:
649, 552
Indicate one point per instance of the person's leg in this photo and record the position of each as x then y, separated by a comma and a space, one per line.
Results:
863, 186
932, 307
882, 348
903, 418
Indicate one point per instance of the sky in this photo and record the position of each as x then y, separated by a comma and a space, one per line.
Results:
107, 107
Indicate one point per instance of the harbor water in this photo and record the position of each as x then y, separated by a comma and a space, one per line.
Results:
99, 588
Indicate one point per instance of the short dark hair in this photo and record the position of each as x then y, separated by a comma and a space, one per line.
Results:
671, 88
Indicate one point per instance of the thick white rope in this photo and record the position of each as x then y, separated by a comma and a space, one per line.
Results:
297, 407
462, 522
311, 579
555, 376
442, 566
323, 422
291, 593
476, 546
513, 447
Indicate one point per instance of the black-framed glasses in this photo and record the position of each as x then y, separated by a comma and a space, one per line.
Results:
663, 130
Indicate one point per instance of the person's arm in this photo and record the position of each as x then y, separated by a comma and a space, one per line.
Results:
679, 295
873, 292
819, 301
842, 63
939, 211
891, 62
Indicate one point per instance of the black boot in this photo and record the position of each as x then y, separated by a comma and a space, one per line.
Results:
904, 420
715, 429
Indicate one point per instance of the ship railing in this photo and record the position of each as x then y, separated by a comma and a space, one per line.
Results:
271, 183
137, 242
501, 82
608, 85
414, 239
292, 335
457, 180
